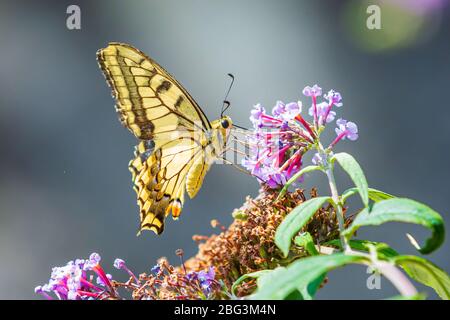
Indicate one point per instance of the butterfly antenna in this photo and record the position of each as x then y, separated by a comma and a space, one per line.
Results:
235, 125
226, 103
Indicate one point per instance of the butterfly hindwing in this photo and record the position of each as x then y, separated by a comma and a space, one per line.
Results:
160, 177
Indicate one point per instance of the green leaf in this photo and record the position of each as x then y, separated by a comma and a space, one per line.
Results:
265, 277
270, 277
374, 194
310, 290
295, 177
349, 164
417, 268
384, 251
253, 275
299, 274
402, 210
295, 220
427, 273
305, 240
295, 295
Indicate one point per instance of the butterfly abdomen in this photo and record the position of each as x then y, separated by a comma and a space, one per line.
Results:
196, 175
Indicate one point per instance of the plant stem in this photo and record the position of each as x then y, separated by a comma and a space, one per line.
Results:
328, 166
397, 278
339, 210
392, 273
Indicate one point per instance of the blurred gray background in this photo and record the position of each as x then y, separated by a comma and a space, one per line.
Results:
65, 190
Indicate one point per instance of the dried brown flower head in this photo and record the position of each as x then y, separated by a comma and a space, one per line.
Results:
247, 245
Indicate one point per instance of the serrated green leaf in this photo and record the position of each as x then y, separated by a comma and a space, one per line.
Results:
299, 275
427, 273
295, 177
402, 210
353, 169
374, 194
295, 220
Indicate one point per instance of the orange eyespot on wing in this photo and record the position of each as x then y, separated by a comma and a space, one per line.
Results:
175, 206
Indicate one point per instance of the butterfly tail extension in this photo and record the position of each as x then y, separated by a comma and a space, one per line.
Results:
175, 206
154, 203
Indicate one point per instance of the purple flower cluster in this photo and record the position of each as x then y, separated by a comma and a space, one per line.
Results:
204, 278
86, 280
74, 281
273, 160
281, 138
173, 283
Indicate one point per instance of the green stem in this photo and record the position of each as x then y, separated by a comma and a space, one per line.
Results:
338, 207
397, 278
328, 168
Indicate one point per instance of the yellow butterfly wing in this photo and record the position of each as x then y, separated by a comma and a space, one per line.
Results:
170, 159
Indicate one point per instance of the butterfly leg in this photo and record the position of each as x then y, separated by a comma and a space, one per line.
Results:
235, 166
241, 169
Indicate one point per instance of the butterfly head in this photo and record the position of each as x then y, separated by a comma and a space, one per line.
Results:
226, 123
223, 124
222, 127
